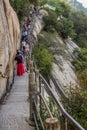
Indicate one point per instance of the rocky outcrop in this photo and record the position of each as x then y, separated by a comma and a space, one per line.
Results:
37, 25
63, 70
9, 43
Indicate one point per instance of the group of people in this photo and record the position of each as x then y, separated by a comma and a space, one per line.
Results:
22, 55
22, 59
20, 63
26, 28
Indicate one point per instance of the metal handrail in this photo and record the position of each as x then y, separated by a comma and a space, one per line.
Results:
65, 114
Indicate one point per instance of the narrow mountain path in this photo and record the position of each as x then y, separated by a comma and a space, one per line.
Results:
14, 113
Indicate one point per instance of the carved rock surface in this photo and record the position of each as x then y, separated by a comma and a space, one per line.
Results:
9, 43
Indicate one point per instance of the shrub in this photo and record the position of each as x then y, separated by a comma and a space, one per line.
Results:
50, 20
21, 7
77, 106
43, 60
66, 28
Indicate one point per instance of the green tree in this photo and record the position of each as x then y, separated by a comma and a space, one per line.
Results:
66, 9
21, 7
34, 2
77, 104
50, 20
62, 8
43, 60
81, 62
66, 28
80, 25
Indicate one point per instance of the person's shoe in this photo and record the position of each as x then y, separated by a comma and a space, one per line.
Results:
27, 71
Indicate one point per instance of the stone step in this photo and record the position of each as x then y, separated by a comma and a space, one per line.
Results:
14, 113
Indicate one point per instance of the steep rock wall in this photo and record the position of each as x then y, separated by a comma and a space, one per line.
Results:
63, 70
9, 43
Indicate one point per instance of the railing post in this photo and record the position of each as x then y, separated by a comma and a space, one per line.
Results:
32, 92
63, 123
37, 78
66, 124
40, 92
52, 124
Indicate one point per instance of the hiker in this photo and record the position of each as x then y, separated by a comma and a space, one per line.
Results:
27, 56
24, 25
24, 34
20, 64
23, 43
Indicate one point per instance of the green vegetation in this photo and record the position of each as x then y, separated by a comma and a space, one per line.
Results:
73, 24
76, 5
43, 60
80, 26
21, 7
64, 26
77, 104
54, 110
69, 23
81, 62
50, 21
81, 67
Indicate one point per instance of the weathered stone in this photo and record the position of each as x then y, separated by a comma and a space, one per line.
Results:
9, 42
14, 114
63, 71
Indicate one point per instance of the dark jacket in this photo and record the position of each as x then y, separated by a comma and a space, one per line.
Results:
19, 59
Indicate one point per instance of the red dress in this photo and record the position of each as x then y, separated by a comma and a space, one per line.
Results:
20, 65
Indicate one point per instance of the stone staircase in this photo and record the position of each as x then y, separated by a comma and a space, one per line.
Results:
14, 113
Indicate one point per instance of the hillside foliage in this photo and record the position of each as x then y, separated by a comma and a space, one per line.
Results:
76, 5
43, 60
77, 104
67, 22
21, 7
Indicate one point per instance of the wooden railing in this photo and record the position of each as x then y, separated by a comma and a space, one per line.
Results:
40, 91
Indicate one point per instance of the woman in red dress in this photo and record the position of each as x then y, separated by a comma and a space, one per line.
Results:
20, 64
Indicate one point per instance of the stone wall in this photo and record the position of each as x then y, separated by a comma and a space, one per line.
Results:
9, 43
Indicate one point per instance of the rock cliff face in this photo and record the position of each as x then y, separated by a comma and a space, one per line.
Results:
9, 43
37, 25
63, 70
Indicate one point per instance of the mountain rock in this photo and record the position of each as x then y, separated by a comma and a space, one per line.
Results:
9, 43
63, 71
